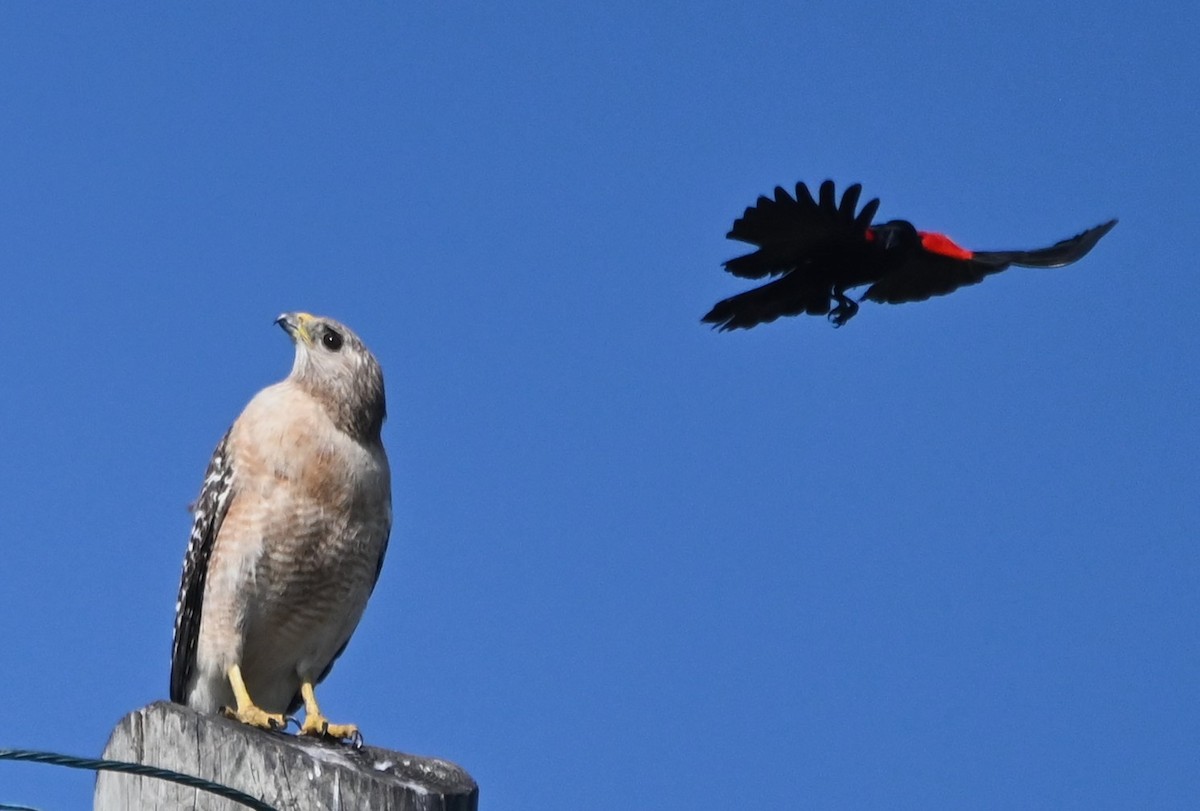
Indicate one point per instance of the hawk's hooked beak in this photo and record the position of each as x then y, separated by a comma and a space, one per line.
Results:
297, 325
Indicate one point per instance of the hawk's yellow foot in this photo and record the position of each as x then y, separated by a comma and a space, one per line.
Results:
255, 717
247, 711
318, 725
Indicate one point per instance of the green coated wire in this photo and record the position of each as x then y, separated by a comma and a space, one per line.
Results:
93, 764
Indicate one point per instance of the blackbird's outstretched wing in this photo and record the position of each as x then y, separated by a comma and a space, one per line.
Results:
929, 272
791, 232
1057, 255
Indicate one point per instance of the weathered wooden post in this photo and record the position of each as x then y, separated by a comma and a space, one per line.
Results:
283, 771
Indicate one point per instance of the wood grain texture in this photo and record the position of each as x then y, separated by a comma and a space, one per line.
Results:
289, 773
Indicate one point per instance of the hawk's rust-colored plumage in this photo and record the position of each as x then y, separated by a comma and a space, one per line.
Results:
288, 537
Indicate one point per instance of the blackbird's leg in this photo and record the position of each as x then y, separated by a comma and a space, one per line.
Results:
845, 309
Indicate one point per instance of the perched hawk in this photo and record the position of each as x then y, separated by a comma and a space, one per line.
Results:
289, 535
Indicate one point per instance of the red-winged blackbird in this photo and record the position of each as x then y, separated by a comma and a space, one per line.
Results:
823, 248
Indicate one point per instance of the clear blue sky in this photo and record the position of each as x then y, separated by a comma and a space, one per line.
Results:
945, 556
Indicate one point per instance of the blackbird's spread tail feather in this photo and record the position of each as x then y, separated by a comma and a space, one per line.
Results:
762, 305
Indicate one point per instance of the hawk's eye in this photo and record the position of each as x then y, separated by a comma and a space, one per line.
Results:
332, 340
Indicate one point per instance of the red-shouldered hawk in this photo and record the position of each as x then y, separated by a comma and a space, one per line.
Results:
288, 539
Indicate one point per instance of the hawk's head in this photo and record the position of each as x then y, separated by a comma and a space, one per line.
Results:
335, 366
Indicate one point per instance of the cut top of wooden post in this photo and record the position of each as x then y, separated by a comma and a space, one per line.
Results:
281, 770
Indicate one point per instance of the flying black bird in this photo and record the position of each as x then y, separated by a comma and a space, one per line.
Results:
820, 249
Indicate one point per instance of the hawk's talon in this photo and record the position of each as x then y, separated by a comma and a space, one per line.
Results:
247, 711
317, 726
251, 715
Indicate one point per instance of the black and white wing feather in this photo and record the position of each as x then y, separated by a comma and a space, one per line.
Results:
208, 514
